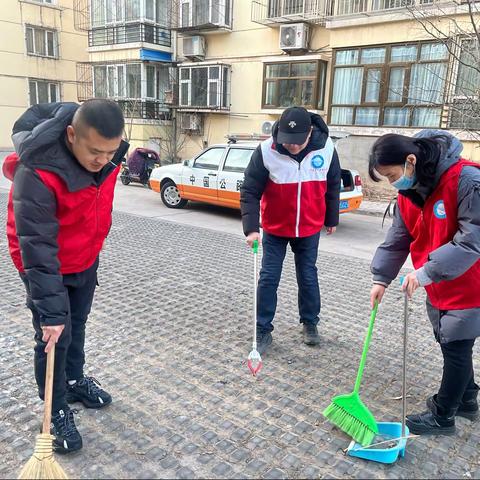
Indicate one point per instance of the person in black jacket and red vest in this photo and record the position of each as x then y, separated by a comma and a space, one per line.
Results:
294, 178
437, 221
59, 213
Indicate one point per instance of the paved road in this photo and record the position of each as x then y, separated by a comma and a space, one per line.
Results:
168, 336
357, 235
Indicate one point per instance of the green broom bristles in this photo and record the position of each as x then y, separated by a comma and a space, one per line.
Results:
351, 425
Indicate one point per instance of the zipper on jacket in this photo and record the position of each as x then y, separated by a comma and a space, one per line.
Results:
299, 193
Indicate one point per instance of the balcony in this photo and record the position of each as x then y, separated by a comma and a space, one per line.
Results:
273, 12
201, 16
129, 33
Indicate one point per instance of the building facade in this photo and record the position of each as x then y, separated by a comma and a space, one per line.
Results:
41, 48
368, 66
130, 60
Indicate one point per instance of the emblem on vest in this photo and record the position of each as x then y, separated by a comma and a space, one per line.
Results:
317, 161
439, 210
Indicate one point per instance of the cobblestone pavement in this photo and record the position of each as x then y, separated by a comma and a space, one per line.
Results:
168, 337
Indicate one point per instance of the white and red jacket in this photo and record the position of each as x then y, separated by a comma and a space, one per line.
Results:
298, 194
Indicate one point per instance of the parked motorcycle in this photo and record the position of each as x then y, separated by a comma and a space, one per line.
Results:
138, 166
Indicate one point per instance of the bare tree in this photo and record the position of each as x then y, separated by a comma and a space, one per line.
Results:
457, 27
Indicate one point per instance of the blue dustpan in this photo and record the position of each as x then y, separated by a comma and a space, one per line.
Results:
389, 454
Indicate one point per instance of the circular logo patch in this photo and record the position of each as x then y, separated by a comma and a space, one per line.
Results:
439, 210
318, 161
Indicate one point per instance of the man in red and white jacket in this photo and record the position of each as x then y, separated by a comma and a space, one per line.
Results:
59, 213
294, 179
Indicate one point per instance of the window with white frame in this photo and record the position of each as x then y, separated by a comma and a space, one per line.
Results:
49, 2
41, 42
131, 81
204, 86
391, 85
193, 13
43, 91
465, 107
109, 12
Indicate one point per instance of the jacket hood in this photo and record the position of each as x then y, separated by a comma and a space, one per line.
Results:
39, 140
451, 150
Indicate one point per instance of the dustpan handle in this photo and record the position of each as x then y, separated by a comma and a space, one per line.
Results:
404, 372
47, 413
366, 344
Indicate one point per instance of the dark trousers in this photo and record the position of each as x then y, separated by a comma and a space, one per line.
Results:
458, 374
69, 350
306, 252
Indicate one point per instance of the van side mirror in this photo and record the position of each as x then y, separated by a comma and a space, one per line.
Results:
186, 163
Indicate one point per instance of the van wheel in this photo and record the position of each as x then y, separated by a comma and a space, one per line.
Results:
171, 196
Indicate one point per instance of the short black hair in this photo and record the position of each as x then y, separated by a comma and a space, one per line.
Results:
105, 116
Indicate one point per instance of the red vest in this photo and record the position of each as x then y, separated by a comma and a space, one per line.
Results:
436, 225
84, 219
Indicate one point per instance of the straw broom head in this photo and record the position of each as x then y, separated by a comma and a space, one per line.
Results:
42, 464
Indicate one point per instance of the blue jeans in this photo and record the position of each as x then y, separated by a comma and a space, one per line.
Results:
274, 249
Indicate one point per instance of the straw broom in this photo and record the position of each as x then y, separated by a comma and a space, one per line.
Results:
42, 465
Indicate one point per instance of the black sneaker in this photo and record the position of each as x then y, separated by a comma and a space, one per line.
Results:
468, 407
310, 334
67, 439
432, 422
88, 391
264, 340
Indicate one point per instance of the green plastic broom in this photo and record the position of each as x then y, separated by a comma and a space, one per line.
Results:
348, 412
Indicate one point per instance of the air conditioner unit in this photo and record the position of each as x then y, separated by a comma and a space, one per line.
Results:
267, 127
191, 123
294, 37
194, 47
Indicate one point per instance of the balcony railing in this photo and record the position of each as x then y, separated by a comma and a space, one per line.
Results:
129, 33
271, 12
356, 7
144, 109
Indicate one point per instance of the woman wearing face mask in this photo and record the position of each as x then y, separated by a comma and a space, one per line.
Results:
437, 220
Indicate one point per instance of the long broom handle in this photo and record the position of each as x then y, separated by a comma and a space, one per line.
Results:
366, 344
404, 373
255, 254
47, 414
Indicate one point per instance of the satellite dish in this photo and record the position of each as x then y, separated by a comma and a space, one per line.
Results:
267, 127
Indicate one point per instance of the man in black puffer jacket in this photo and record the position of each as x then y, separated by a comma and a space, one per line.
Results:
59, 213
294, 177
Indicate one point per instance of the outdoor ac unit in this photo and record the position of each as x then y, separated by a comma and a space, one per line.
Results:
294, 37
194, 47
191, 123
267, 127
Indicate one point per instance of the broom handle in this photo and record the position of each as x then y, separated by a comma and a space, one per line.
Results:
47, 414
255, 275
365, 348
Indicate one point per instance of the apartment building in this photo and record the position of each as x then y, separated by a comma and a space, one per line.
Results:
368, 66
40, 50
